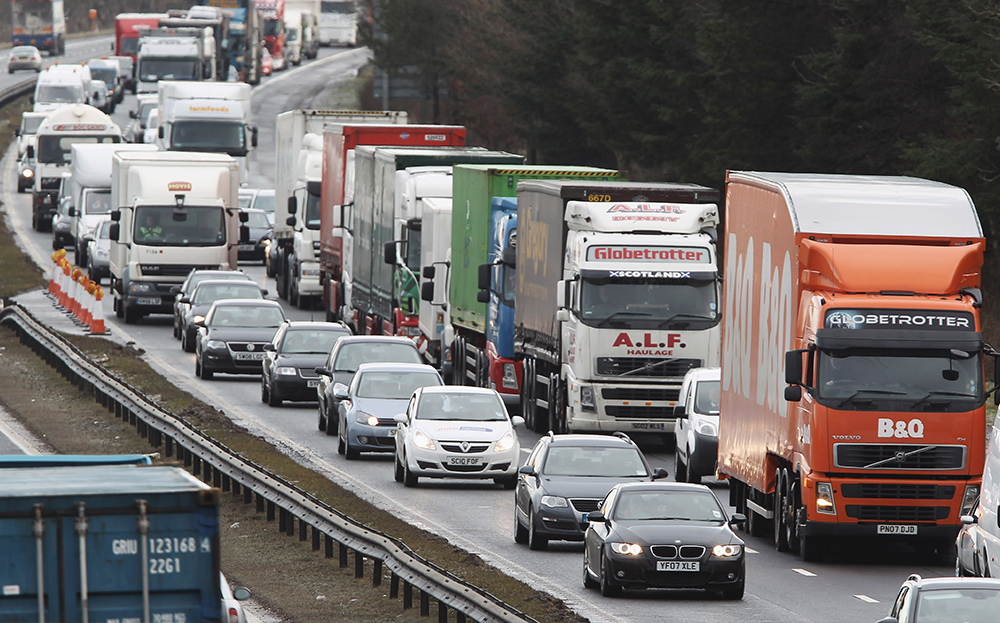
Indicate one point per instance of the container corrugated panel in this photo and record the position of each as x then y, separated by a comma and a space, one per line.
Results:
90, 523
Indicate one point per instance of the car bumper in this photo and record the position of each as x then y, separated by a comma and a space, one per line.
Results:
213, 361
255, 253
640, 572
371, 438
560, 523
295, 389
870, 529
24, 65
436, 464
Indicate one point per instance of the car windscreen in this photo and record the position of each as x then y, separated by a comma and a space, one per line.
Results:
258, 220
957, 604
199, 277
466, 407
265, 202
205, 294
706, 398
245, 200
594, 461
393, 385
247, 316
679, 505
310, 341
29, 125
104, 233
353, 355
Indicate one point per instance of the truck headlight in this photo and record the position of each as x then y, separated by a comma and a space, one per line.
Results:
824, 499
554, 501
709, 429
409, 331
506, 443
139, 287
310, 272
726, 551
626, 549
286, 371
587, 398
971, 493
421, 440
509, 376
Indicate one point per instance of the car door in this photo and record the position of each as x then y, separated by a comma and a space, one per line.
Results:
597, 533
989, 503
402, 430
683, 425
271, 356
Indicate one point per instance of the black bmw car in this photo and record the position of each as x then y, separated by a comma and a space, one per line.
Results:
232, 336
290, 360
663, 535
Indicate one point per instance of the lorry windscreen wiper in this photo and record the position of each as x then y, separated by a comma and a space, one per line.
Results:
869, 391
935, 392
899, 458
687, 317
622, 313
647, 366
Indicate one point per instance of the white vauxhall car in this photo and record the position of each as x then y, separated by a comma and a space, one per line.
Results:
457, 432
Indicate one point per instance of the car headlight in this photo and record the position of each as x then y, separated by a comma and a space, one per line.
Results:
587, 398
726, 551
198, 319
626, 549
824, 499
506, 443
28, 173
216, 344
139, 287
409, 331
286, 371
971, 493
509, 376
707, 428
554, 501
421, 440
365, 418
103, 253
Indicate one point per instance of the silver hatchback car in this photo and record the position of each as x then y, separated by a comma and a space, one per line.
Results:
25, 57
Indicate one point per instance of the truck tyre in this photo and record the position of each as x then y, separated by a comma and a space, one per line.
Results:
810, 548
293, 290
131, 316
780, 504
557, 417
458, 354
791, 519
482, 369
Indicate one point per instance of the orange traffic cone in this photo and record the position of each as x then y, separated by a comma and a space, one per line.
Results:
88, 299
97, 317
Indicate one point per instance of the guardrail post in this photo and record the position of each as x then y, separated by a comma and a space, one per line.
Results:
315, 539
407, 595
206, 472
343, 555
359, 564
131, 418
247, 495
442, 612
195, 465
260, 503
425, 604
459, 616
393, 585
290, 523
217, 479
168, 446
270, 510
303, 530
235, 486
282, 519
328, 546
376, 572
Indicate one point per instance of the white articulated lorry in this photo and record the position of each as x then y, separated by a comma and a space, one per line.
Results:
63, 128
207, 117
294, 255
617, 297
174, 212
91, 190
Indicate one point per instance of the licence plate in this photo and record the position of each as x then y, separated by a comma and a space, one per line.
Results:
148, 301
465, 460
246, 247
677, 565
648, 426
392, 432
896, 529
312, 383
583, 519
249, 356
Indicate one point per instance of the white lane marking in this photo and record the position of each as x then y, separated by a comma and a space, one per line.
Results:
866, 598
316, 63
808, 574
751, 550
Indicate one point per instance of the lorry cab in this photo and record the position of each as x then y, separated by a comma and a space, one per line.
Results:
293, 37
500, 308
174, 54
697, 429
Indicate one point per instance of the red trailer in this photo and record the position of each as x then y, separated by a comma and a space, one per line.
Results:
337, 196
272, 16
128, 26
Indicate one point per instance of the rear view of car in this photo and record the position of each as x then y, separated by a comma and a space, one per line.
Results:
99, 252
24, 58
290, 360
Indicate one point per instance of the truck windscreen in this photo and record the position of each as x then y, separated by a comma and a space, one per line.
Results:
156, 68
63, 94
130, 46
107, 74
170, 226
31, 17
644, 303
218, 136
918, 376
55, 148
311, 215
273, 27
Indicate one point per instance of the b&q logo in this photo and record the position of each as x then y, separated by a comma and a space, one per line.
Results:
178, 186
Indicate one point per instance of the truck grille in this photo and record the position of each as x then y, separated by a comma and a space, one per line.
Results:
860, 455
896, 513
878, 490
171, 270
640, 393
645, 367
629, 411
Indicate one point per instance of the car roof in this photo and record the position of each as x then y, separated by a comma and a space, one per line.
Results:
663, 486
583, 439
458, 389
265, 191
225, 282
945, 583
385, 339
246, 303
314, 325
227, 273
395, 367
704, 374
249, 210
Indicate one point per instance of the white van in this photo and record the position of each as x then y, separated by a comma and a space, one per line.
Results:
59, 85
696, 431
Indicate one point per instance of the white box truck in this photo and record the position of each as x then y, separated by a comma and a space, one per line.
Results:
174, 54
207, 117
174, 212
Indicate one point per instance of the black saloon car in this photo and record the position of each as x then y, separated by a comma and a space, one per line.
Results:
663, 535
197, 304
290, 360
231, 339
185, 289
565, 477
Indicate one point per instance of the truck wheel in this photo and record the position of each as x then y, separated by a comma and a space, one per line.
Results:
780, 503
791, 513
458, 355
482, 369
293, 292
131, 316
557, 420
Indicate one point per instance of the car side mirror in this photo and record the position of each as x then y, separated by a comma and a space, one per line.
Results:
527, 470
737, 519
175, 289
133, 115
596, 516
17, 132
968, 520
270, 348
888, 620
517, 420
320, 370
340, 391
186, 300
401, 418
659, 473
30, 151
680, 411
241, 593
71, 211
199, 323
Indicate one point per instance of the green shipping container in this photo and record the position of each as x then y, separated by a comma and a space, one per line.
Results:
474, 187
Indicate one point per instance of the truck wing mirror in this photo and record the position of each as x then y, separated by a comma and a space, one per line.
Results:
428, 272
244, 216
113, 231
996, 376
793, 366
793, 393
116, 215
509, 257
133, 114
72, 211
293, 205
561, 294
17, 132
253, 136
290, 221
427, 291
244, 234
483, 296
389, 253
31, 151
485, 276
159, 131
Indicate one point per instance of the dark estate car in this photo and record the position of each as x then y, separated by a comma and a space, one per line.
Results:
342, 364
193, 279
231, 339
565, 477
255, 250
945, 600
200, 301
290, 360
663, 535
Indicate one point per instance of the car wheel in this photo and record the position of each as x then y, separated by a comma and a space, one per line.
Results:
201, 372
328, 421
535, 541
264, 394
680, 469
341, 446
322, 419
588, 582
398, 470
187, 344
55, 243
959, 569
409, 478
520, 532
609, 588
735, 591
508, 482
177, 332
350, 453
273, 400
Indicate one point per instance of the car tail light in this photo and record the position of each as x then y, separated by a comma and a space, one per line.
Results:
234, 616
